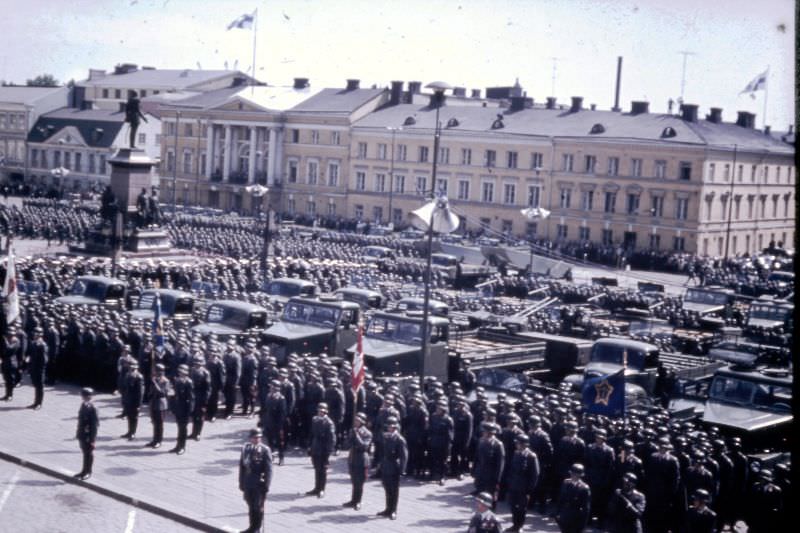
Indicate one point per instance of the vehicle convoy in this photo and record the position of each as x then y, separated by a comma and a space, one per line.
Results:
313, 327
95, 290
178, 305
232, 319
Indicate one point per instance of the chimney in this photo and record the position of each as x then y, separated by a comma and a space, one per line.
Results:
396, 93
437, 100
577, 104
593, 107
125, 68
715, 116
414, 87
460, 91
301, 83
689, 112
619, 84
639, 107
476, 93
551, 102
352, 85
517, 103
96, 74
746, 119
766, 130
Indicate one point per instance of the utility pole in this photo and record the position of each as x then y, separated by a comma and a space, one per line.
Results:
685, 54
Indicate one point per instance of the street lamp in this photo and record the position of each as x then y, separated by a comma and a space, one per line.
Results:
534, 213
175, 161
394, 131
730, 200
258, 191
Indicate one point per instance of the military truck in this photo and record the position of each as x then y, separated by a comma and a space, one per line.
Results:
767, 314
232, 318
313, 326
281, 289
95, 291
178, 305
366, 298
460, 274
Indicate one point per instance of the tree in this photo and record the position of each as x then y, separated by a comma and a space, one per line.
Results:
43, 80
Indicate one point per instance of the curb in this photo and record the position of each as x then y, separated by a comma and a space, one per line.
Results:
124, 498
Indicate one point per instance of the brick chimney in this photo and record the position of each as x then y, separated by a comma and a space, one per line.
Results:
476, 93
746, 119
460, 91
517, 103
301, 83
551, 102
639, 107
689, 112
352, 85
396, 93
577, 104
414, 87
715, 115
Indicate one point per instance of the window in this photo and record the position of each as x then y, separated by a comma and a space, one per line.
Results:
331, 210
187, 130
34, 157
750, 207
314, 137
377, 214
512, 159
632, 205
587, 199
423, 154
590, 164
655, 241
117, 94
441, 186
397, 216
335, 139
402, 152
105, 93
537, 159
142, 138
636, 167
583, 233
444, 156
487, 192
311, 208
685, 171
290, 206
91, 164
740, 173
295, 135
170, 126
202, 161
333, 174
610, 204
292, 171
678, 244
661, 169
78, 162
531, 228
187, 162
358, 211
712, 170
774, 207
565, 198
777, 174
56, 159
763, 208
507, 226
400, 184
682, 208
68, 160
361, 181
362, 151
658, 207
613, 166
490, 158
753, 171
509, 193
737, 207
726, 173
312, 172
380, 182
766, 174
170, 161
562, 231
463, 190
466, 156
567, 162
382, 151
608, 237
534, 193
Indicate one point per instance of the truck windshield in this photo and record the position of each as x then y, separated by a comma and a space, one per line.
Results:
394, 330
277, 288
316, 315
235, 318
769, 312
729, 389
706, 297
618, 354
89, 289
445, 261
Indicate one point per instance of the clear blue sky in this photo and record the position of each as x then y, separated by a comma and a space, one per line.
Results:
472, 43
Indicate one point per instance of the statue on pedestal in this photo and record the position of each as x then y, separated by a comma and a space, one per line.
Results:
153, 209
109, 206
132, 115
142, 209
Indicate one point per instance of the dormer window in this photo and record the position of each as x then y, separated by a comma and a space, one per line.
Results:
452, 123
597, 128
668, 132
498, 123
409, 121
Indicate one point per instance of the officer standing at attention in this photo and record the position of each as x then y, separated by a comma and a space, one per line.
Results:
627, 507
600, 474
88, 424
132, 393
273, 418
37, 362
358, 459
233, 372
523, 477
574, 502
484, 520
440, 440
201, 382
255, 476
323, 440
10, 361
701, 519
489, 461
159, 391
393, 464
184, 405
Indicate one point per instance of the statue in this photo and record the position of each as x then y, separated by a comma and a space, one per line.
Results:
108, 205
132, 115
154, 211
142, 211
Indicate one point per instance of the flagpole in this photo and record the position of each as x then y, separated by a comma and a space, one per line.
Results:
255, 32
766, 92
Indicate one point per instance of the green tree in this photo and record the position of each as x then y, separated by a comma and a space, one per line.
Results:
43, 80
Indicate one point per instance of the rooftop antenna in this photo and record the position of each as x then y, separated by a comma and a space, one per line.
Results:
685, 54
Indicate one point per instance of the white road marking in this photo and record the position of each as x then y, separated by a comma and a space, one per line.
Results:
131, 521
10, 487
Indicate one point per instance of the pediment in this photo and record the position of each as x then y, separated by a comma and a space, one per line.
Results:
68, 136
241, 104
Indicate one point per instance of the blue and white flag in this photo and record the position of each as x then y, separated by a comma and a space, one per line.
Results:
758, 83
605, 395
244, 22
158, 326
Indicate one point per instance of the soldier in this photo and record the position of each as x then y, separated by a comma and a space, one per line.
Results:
662, 480
599, 474
88, 424
440, 440
627, 462
358, 459
132, 392
323, 441
160, 390
10, 363
462, 435
183, 408
701, 519
216, 367
249, 379
393, 464
489, 461
484, 520
123, 367
765, 505
273, 418
233, 371
627, 507
569, 450
386, 411
523, 477
334, 397
54, 364
37, 363
574, 502
201, 382
255, 476
698, 476
415, 428
540, 445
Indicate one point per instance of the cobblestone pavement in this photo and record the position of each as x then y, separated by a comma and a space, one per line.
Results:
203, 483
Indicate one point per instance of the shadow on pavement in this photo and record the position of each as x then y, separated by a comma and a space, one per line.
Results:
121, 471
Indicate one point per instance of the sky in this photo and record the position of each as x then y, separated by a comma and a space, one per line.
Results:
469, 43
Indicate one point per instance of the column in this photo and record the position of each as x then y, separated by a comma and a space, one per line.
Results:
278, 164
273, 135
209, 149
226, 163
251, 162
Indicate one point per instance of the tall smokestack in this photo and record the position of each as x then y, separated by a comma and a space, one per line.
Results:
619, 82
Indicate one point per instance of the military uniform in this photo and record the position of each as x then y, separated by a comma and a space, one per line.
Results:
255, 477
323, 441
485, 522
233, 371
489, 462
216, 368
273, 419
440, 440
10, 364
393, 464
462, 436
201, 382
358, 461
132, 394
37, 363
160, 390
574, 506
183, 407
626, 510
88, 425
600, 477
523, 477
248, 382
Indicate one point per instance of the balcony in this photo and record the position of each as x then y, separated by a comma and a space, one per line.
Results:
238, 178
261, 177
216, 176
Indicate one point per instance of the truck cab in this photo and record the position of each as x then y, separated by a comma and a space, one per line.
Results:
313, 326
95, 291
417, 305
365, 298
281, 289
706, 300
610, 355
373, 254
767, 314
232, 318
178, 305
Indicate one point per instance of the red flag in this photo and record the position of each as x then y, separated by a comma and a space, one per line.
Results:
358, 361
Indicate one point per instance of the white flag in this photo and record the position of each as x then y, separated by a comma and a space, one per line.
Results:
10, 293
759, 83
244, 22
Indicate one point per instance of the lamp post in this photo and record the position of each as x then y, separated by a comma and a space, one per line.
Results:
175, 161
730, 200
258, 191
534, 213
394, 131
